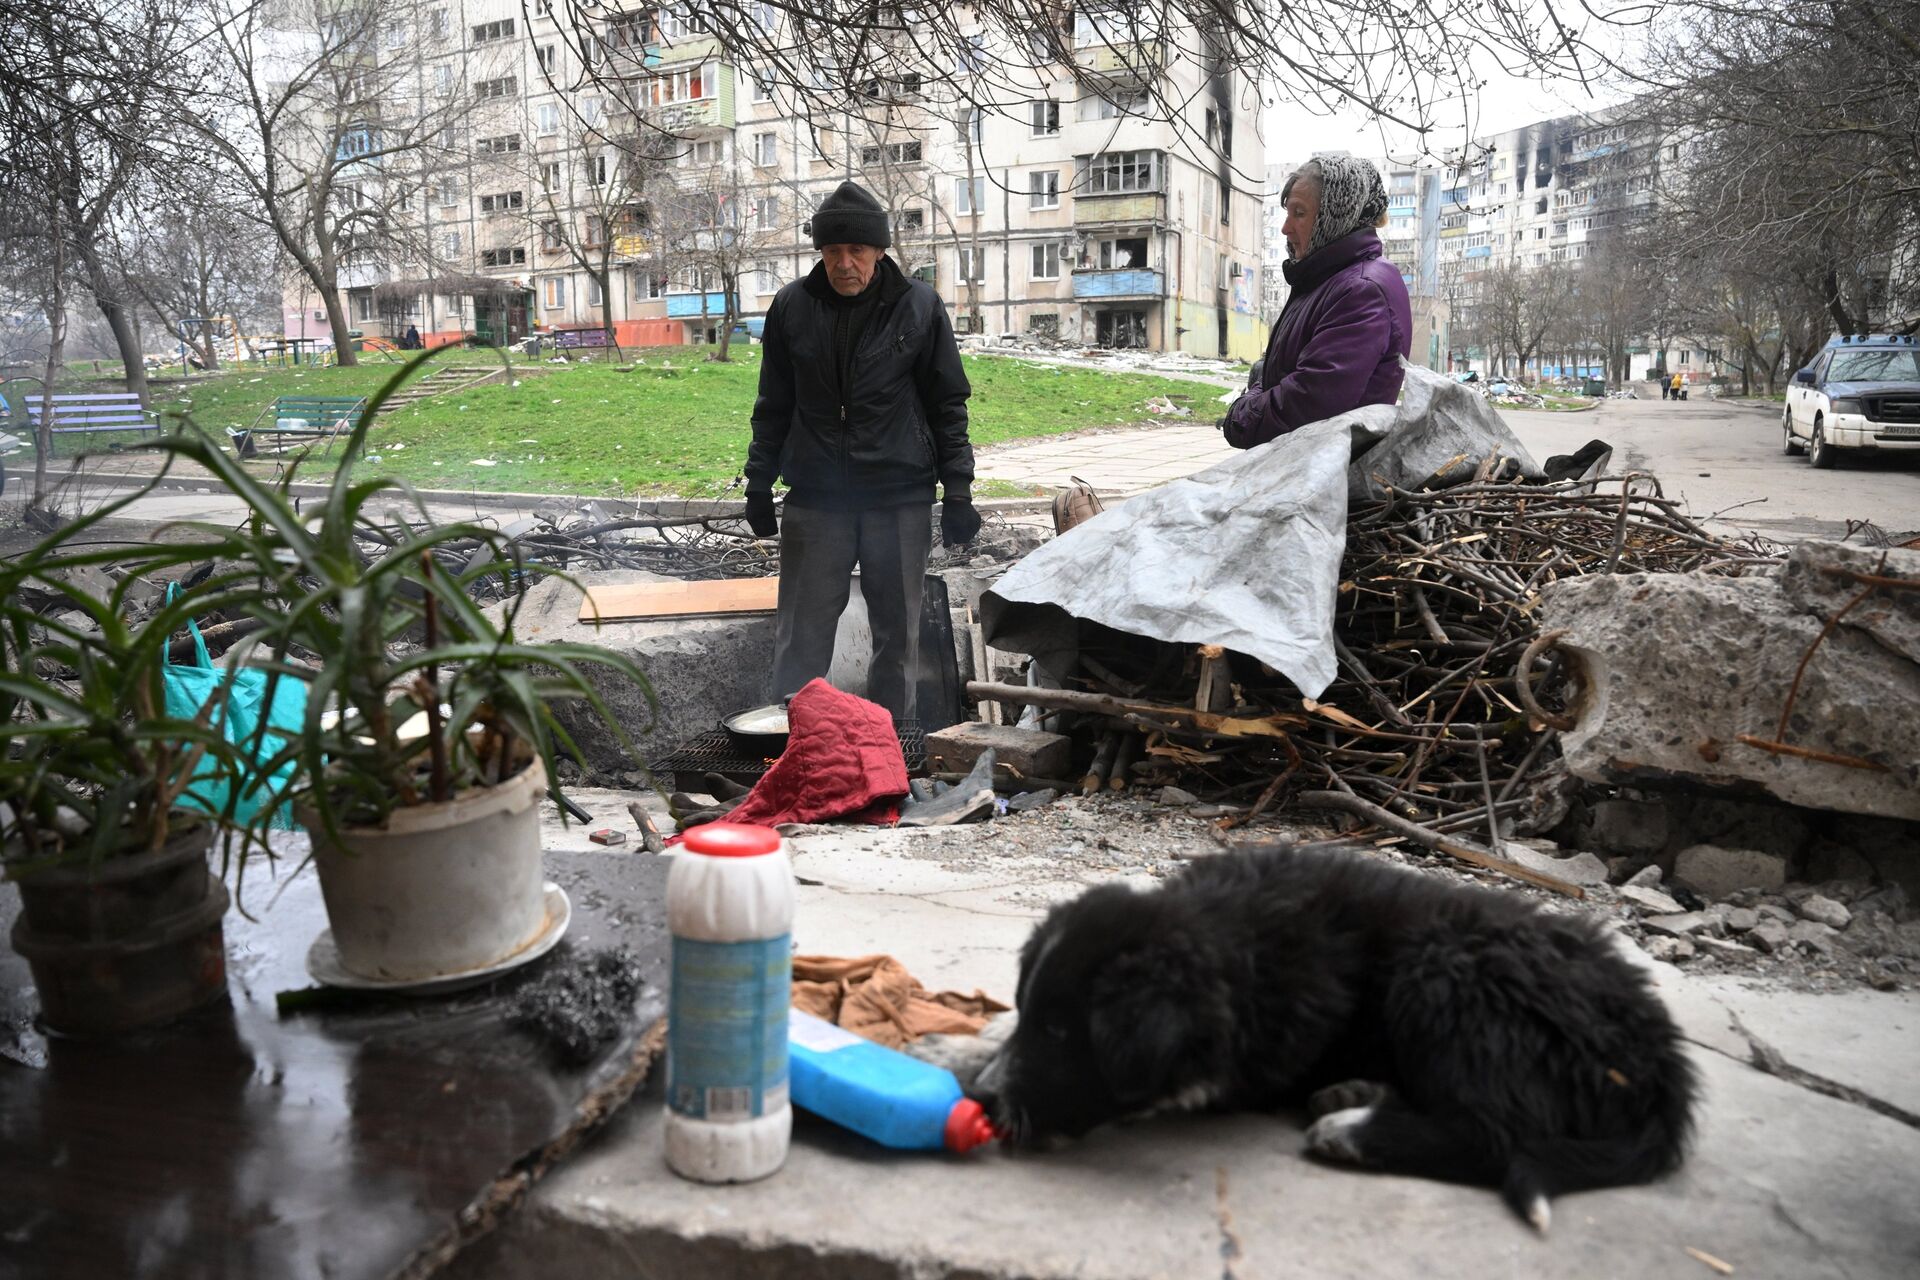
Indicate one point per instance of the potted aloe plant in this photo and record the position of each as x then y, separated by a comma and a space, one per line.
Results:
107, 801
428, 739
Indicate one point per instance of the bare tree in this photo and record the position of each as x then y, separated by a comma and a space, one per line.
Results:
200, 264
707, 223
332, 142
1799, 125
1519, 308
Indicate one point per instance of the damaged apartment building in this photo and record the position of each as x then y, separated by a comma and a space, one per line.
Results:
1051, 199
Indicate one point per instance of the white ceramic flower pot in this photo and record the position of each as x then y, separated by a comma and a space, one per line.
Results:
440, 888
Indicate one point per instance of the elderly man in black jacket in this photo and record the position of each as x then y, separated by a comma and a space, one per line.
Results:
862, 409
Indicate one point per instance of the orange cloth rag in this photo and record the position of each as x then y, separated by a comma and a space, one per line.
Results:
875, 997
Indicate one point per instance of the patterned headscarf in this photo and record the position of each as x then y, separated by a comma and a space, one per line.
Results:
1351, 197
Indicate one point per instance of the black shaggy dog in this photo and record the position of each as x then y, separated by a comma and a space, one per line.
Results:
1438, 1031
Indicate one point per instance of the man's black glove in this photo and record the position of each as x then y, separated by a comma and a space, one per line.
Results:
760, 517
959, 522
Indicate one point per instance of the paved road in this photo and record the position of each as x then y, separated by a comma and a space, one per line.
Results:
1722, 457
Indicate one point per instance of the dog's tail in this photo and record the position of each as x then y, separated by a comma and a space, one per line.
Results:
1544, 1169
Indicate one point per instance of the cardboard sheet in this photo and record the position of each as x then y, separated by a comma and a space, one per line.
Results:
644, 601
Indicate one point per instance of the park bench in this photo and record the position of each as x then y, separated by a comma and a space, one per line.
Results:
309, 418
83, 413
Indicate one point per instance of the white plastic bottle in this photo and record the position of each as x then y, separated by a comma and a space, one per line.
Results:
730, 910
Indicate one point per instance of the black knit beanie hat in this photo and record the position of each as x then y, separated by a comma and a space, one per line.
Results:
849, 216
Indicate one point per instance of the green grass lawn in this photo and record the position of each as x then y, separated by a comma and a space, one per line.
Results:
676, 424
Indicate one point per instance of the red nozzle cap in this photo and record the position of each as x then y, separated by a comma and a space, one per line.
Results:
968, 1126
732, 840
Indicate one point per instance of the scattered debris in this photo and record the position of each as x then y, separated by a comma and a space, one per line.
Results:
580, 1003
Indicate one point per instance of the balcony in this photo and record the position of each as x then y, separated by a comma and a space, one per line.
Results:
692, 306
701, 118
1122, 63
1129, 207
1095, 285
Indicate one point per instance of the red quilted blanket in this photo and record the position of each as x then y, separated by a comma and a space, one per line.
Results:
842, 760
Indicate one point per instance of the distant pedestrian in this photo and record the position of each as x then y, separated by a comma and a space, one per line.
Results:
410, 340
1676, 386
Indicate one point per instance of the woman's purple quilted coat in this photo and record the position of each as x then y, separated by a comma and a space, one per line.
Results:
1336, 346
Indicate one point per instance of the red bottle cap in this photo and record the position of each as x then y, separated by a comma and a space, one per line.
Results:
732, 840
968, 1126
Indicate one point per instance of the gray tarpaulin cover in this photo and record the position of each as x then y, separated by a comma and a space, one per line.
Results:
1246, 554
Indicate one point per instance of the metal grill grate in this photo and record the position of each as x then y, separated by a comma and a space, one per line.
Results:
715, 752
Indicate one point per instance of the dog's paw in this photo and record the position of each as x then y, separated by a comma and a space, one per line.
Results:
1336, 1136
1346, 1096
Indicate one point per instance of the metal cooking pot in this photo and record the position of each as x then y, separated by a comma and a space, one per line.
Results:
752, 730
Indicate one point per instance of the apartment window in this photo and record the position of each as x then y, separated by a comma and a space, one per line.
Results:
442, 79
675, 23
1112, 105
486, 32
516, 257
628, 31
1539, 233
1044, 261
499, 146
1043, 189
397, 36
1043, 118
503, 202
450, 244
969, 197
554, 292
758, 87
973, 265
1123, 171
913, 220
591, 112
891, 153
766, 212
1044, 324
766, 277
1226, 204
970, 125
550, 176
596, 231
544, 54
594, 296
543, 8
552, 237
765, 17
546, 119
504, 87
766, 149
362, 304
1123, 253
649, 287
448, 190
690, 85
438, 24
596, 170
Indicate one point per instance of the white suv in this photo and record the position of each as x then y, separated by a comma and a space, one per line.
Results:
1860, 393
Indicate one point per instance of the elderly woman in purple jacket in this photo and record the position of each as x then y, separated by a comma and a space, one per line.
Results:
1347, 323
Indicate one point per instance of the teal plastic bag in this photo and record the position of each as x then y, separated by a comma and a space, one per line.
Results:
240, 698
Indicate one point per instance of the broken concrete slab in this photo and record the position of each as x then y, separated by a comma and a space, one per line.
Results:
1824, 910
1716, 872
701, 669
1025, 753
1580, 868
1649, 901
1679, 668
1825, 579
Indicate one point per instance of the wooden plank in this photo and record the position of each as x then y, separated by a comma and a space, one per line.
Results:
640, 601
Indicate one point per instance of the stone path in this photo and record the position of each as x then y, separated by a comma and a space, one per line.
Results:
1114, 462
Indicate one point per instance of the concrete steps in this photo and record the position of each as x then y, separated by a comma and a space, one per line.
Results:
439, 383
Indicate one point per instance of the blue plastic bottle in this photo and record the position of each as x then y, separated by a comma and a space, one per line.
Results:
896, 1100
